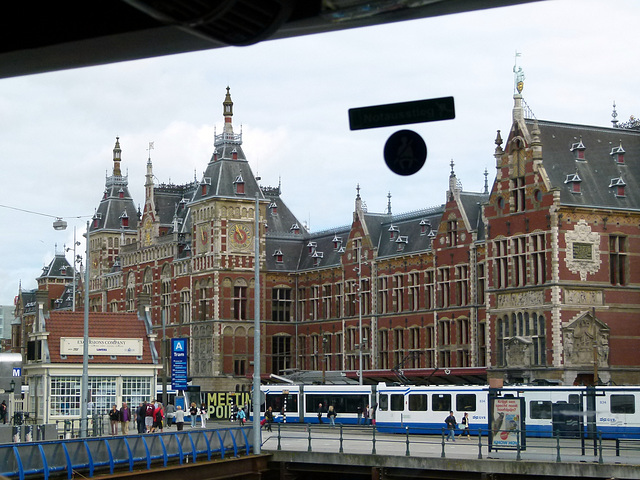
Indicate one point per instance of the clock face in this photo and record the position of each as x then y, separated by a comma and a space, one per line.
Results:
240, 234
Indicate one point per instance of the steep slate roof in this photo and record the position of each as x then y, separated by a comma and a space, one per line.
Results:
101, 325
408, 237
171, 205
58, 268
599, 166
472, 205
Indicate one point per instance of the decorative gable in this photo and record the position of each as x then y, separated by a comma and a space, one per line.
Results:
578, 150
618, 184
573, 180
617, 153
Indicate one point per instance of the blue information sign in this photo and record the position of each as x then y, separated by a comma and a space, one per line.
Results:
179, 363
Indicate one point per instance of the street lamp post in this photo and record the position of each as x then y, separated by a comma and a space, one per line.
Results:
84, 385
256, 332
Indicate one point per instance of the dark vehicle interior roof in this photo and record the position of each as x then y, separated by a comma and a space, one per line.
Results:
48, 36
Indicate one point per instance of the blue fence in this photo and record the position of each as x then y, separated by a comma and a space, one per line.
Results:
90, 456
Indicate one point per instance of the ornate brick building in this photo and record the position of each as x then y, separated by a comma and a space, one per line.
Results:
530, 280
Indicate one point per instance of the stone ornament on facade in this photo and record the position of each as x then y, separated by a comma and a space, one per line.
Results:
583, 250
583, 297
518, 352
531, 298
580, 337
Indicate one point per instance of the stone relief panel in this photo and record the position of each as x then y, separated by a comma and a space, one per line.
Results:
584, 339
518, 352
583, 297
583, 250
520, 299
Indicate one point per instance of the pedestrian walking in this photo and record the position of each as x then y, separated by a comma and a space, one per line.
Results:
451, 424
125, 418
320, 410
114, 418
268, 416
359, 413
203, 416
242, 417
148, 416
365, 414
140, 414
179, 418
170, 413
465, 425
193, 413
331, 415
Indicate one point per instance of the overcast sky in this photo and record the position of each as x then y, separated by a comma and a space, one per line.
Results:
57, 130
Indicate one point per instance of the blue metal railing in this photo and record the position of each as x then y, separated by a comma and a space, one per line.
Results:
92, 455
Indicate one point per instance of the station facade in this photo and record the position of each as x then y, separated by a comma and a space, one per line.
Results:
529, 281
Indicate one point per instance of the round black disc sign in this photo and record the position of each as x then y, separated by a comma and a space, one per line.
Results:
405, 152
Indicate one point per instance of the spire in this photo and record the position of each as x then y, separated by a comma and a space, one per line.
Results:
389, 203
614, 116
486, 181
227, 112
148, 184
358, 199
116, 159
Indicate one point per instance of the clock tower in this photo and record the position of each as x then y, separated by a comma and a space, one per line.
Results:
223, 262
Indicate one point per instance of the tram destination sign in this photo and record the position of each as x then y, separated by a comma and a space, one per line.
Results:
403, 113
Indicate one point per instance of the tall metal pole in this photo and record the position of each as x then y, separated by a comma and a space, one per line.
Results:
84, 385
256, 333
73, 302
164, 359
360, 315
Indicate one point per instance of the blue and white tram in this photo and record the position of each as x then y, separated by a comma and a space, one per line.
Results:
424, 408
300, 403
613, 411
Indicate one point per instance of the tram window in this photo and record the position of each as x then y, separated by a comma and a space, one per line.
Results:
574, 398
384, 402
278, 401
623, 404
466, 402
418, 403
441, 402
397, 402
540, 409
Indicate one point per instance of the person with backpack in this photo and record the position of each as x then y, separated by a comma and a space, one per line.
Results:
242, 417
158, 418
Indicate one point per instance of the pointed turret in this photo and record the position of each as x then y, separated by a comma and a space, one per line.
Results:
117, 152
227, 110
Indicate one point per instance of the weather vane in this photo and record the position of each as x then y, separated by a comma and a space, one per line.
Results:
519, 74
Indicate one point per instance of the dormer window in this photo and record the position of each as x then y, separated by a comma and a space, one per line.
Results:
278, 256
295, 228
337, 242
619, 185
618, 154
578, 150
393, 232
124, 219
234, 154
206, 182
312, 247
215, 154
96, 217
425, 226
317, 256
239, 184
273, 206
401, 241
574, 181
63, 270
106, 193
121, 193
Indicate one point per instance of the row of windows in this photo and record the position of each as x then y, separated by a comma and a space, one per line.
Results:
618, 404
419, 402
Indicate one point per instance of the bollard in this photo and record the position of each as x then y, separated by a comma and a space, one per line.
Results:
407, 453
442, 454
558, 460
600, 460
341, 439
479, 444
28, 436
373, 448
279, 447
309, 430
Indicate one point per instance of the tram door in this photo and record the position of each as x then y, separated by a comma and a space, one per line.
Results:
567, 418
